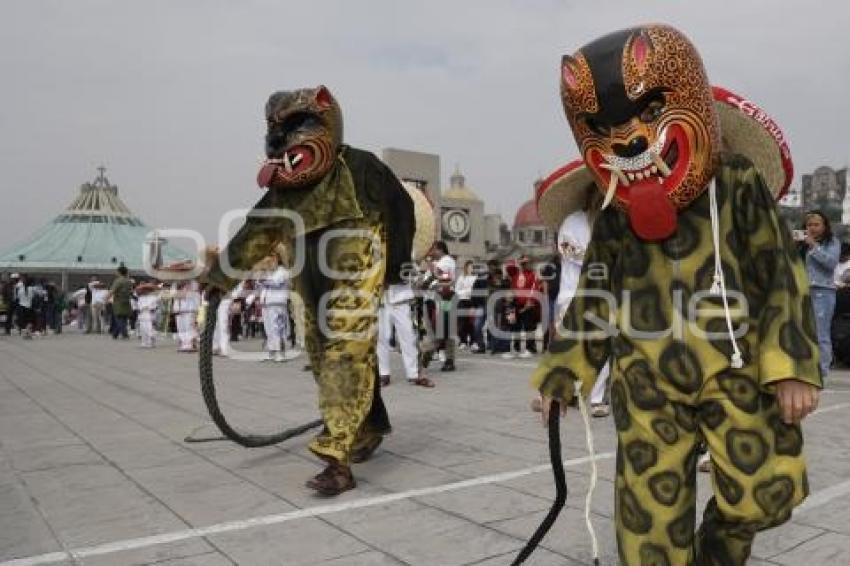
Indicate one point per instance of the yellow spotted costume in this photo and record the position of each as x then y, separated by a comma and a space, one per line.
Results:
353, 234
670, 391
692, 288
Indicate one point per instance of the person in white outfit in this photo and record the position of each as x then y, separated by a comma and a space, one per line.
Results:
148, 303
573, 237
221, 336
98, 306
463, 292
394, 312
274, 296
187, 301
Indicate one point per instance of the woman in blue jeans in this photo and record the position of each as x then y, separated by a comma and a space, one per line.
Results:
821, 251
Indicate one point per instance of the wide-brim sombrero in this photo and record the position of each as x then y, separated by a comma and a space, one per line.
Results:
745, 128
177, 270
425, 225
748, 130
145, 288
563, 192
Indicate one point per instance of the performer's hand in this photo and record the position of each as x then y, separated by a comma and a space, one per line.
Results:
810, 241
546, 406
796, 400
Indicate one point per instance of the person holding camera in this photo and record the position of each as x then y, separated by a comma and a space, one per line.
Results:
821, 250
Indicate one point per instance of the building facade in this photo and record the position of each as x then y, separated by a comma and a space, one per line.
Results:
462, 219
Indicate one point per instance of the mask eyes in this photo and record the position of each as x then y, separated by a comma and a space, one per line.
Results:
652, 112
300, 121
295, 122
597, 127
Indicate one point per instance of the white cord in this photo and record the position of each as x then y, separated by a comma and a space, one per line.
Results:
718, 287
593, 472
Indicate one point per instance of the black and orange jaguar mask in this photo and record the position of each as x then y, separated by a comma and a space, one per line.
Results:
303, 138
641, 109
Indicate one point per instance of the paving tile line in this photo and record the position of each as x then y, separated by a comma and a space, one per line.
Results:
274, 519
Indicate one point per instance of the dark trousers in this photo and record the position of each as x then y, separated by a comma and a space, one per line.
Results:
526, 321
10, 316
119, 326
465, 324
480, 321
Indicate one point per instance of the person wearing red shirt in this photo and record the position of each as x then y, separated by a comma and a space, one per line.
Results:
526, 287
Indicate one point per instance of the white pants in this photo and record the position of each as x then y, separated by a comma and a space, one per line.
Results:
275, 325
397, 316
597, 394
221, 336
146, 328
185, 330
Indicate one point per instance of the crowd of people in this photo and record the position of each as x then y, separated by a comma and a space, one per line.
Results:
150, 310
505, 308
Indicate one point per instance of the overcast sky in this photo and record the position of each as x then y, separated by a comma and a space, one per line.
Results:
169, 94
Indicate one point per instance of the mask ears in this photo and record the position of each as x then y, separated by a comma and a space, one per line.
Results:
640, 49
323, 97
569, 72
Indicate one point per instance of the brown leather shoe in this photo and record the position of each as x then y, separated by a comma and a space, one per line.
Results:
333, 480
422, 382
363, 452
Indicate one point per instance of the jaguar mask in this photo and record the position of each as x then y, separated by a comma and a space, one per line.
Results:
641, 109
303, 138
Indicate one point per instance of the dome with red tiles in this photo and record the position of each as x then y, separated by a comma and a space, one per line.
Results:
527, 216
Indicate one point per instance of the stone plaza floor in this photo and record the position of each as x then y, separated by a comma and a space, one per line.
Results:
94, 468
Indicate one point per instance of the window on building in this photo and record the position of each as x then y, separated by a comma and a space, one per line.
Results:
538, 237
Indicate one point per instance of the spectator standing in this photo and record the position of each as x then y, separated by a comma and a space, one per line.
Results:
88, 301
10, 302
52, 311
24, 293
466, 320
39, 308
443, 270
98, 306
394, 313
499, 297
822, 251
185, 305
148, 302
479, 307
525, 287
550, 283
274, 295
120, 293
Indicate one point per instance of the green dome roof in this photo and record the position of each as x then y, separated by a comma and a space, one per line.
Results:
95, 232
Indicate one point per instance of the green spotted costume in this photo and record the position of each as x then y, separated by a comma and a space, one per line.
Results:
676, 388
693, 290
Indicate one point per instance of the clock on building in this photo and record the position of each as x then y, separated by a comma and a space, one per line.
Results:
456, 224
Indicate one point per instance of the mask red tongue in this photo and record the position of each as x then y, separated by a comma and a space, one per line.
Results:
266, 174
651, 214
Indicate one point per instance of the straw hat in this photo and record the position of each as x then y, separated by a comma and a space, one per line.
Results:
748, 130
423, 210
745, 129
179, 266
145, 288
563, 192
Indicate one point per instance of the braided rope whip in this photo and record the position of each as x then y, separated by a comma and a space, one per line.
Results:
208, 390
560, 485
